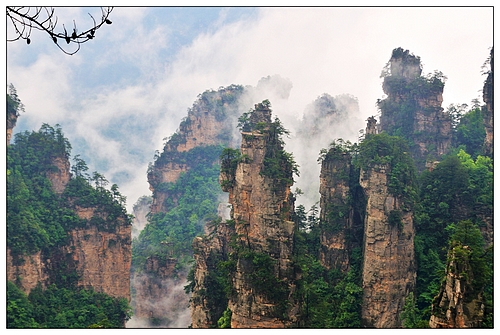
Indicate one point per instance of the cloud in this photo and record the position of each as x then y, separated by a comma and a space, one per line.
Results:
127, 90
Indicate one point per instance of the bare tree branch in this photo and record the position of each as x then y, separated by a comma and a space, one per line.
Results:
25, 19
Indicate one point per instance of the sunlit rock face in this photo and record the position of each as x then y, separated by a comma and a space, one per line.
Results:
389, 271
210, 121
261, 229
61, 175
100, 259
103, 259
11, 123
262, 219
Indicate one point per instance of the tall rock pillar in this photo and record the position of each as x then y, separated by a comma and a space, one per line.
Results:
387, 178
336, 214
259, 190
488, 110
413, 109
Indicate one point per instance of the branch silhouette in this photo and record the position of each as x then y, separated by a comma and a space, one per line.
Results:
25, 19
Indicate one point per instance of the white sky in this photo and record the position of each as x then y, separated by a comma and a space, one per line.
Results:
141, 74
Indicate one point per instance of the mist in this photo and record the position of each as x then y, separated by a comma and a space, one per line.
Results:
173, 307
121, 95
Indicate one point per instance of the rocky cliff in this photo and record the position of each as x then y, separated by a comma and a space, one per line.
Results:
96, 254
27, 271
387, 178
96, 259
13, 107
488, 109
209, 250
258, 180
210, 121
488, 95
60, 176
197, 143
263, 225
102, 259
11, 123
389, 271
366, 201
456, 306
413, 109
336, 214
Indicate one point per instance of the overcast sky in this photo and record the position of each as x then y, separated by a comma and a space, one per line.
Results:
127, 89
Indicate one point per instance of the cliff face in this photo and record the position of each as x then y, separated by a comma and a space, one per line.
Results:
27, 271
60, 176
413, 109
454, 307
93, 257
13, 106
263, 225
11, 123
388, 261
336, 213
102, 258
209, 249
262, 280
210, 121
198, 141
488, 110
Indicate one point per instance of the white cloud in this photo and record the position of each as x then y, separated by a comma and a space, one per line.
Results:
321, 50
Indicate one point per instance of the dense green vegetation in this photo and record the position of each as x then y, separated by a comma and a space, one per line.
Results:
64, 308
392, 152
14, 106
458, 190
229, 160
192, 201
469, 134
37, 217
279, 165
327, 298
221, 102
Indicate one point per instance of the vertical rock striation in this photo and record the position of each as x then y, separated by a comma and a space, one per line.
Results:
259, 239
336, 214
262, 206
488, 109
454, 307
209, 250
388, 261
97, 254
210, 121
102, 259
413, 109
387, 177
